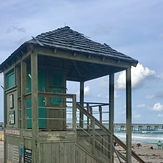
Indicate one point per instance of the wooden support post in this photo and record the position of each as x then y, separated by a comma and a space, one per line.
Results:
35, 125
23, 90
5, 119
22, 84
111, 115
100, 111
128, 115
81, 101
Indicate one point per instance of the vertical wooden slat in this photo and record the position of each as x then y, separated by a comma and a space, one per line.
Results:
55, 153
88, 110
128, 115
94, 139
61, 152
74, 112
34, 88
111, 115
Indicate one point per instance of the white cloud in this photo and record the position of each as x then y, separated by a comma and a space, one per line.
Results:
107, 97
104, 82
136, 116
160, 76
157, 106
138, 75
141, 106
149, 96
86, 91
116, 94
160, 115
122, 112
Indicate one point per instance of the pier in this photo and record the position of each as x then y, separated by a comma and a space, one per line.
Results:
135, 126
138, 127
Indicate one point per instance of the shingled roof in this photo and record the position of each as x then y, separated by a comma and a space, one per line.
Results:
67, 39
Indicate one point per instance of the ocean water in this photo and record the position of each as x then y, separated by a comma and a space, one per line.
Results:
143, 137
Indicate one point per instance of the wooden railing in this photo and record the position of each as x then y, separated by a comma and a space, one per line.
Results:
98, 135
92, 129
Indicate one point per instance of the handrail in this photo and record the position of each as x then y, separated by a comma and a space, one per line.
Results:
116, 152
109, 133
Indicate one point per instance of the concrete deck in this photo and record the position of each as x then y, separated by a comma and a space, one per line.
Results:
1, 152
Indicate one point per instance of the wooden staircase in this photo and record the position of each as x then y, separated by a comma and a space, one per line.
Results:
94, 138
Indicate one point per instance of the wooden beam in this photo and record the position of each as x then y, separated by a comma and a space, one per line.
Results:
111, 114
128, 116
82, 57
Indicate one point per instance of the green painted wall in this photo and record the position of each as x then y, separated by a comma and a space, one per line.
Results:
56, 81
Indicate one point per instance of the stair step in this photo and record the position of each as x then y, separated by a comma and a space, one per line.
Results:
88, 147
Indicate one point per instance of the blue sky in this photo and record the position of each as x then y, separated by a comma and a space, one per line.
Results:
133, 27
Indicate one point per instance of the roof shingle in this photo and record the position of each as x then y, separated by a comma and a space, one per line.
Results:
66, 38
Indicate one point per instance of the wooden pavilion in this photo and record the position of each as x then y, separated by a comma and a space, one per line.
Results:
45, 124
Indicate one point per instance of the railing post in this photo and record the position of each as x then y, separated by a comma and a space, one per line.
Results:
88, 110
74, 112
91, 113
100, 110
93, 134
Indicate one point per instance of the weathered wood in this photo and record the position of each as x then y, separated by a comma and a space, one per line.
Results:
81, 101
59, 136
100, 115
23, 91
74, 113
94, 140
81, 57
128, 116
34, 95
111, 114
57, 152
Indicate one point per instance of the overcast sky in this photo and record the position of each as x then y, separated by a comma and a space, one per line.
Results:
133, 27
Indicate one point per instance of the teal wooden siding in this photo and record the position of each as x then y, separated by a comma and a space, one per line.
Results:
28, 113
10, 78
42, 112
57, 86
